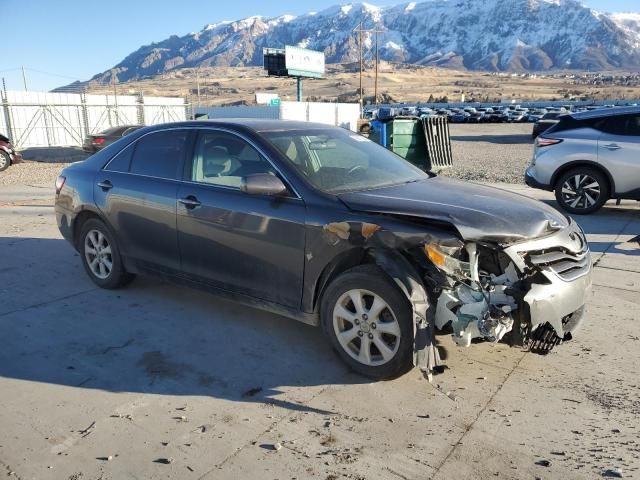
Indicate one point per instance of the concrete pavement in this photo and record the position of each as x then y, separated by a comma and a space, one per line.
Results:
157, 381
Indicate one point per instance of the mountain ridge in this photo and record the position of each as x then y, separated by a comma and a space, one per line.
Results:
491, 35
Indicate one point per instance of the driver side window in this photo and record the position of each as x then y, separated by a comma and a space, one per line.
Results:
221, 158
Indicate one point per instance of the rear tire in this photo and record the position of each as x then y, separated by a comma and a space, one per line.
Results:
5, 161
101, 256
582, 190
369, 322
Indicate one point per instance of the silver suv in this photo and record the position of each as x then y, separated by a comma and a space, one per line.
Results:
588, 158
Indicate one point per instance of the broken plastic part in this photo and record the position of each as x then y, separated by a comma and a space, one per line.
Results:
478, 314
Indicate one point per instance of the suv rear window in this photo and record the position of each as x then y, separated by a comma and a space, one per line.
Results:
567, 122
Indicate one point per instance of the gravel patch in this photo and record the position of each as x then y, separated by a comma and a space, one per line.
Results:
31, 173
481, 153
490, 152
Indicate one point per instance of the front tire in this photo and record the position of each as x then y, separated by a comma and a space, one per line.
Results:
582, 190
5, 161
101, 256
369, 322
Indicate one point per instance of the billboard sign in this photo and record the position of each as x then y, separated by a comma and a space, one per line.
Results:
301, 62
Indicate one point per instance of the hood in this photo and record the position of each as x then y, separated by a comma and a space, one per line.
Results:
478, 212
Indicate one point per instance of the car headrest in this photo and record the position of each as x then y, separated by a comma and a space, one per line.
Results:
214, 160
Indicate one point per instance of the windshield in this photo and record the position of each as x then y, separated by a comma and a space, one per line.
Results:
335, 160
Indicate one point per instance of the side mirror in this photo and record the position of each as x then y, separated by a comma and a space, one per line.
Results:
262, 184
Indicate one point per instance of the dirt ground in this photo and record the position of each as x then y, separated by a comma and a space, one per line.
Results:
227, 85
157, 381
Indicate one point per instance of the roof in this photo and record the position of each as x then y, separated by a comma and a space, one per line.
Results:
257, 124
605, 112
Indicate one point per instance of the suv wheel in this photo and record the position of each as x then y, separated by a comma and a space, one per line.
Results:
368, 321
5, 161
101, 256
582, 190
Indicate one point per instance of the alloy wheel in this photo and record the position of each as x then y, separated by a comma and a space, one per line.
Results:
97, 252
366, 327
581, 191
3, 161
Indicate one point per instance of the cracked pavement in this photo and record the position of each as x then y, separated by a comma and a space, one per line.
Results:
158, 381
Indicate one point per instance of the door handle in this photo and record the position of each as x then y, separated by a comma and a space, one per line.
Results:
105, 185
190, 202
612, 146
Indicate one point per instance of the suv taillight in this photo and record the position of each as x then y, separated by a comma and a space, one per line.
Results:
98, 141
60, 183
545, 142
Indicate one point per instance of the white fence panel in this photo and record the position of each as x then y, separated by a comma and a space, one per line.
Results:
322, 113
42, 119
347, 115
341, 114
104, 111
294, 111
163, 110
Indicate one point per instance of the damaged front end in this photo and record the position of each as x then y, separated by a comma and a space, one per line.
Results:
534, 290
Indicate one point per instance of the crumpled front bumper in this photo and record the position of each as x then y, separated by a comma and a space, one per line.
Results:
564, 261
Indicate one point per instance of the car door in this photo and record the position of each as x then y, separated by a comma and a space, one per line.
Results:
248, 244
619, 150
137, 193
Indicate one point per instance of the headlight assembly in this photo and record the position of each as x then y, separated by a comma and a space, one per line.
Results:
443, 258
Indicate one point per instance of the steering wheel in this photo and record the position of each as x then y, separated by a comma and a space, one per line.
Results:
354, 169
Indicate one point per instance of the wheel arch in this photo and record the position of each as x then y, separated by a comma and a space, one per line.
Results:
584, 163
339, 264
81, 218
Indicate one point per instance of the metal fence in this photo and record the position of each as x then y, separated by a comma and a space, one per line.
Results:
39, 119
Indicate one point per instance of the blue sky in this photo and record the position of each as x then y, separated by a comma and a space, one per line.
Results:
75, 39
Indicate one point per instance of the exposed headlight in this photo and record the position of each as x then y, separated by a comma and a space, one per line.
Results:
443, 258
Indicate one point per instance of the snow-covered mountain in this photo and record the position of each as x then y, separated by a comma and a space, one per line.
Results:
515, 35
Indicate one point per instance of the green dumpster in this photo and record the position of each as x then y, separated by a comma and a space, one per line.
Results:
405, 137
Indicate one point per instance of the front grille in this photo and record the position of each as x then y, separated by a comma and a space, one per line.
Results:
567, 265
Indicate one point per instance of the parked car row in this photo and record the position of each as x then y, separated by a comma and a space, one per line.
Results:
512, 113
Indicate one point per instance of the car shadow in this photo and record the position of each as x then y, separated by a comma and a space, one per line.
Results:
500, 139
150, 337
54, 154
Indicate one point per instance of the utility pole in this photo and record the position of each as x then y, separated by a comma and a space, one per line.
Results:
375, 88
24, 80
115, 96
361, 65
360, 31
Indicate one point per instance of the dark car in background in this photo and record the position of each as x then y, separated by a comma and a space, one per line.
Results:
548, 120
8, 154
96, 142
327, 227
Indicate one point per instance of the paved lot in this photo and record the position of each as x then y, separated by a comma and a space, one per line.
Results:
100, 384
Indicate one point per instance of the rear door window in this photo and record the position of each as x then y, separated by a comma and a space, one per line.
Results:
122, 161
627, 125
160, 154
